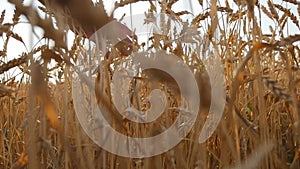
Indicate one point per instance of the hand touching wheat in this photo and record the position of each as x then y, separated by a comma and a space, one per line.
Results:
85, 17
88, 18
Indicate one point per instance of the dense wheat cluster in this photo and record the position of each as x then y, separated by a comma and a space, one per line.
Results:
260, 126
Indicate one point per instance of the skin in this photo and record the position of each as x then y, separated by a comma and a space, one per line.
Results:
83, 14
85, 17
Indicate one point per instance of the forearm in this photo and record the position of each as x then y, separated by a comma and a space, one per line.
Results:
85, 17
82, 14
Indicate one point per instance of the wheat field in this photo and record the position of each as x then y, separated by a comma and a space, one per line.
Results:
259, 128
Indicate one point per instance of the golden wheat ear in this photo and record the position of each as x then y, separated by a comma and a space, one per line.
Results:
276, 89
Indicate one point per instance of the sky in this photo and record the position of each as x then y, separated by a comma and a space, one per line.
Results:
24, 29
